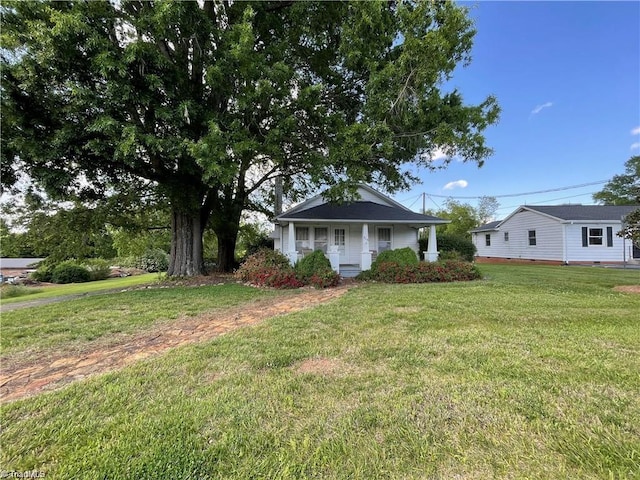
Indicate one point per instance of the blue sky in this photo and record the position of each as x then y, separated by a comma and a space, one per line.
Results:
567, 77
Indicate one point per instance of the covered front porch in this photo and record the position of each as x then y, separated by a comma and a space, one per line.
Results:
351, 247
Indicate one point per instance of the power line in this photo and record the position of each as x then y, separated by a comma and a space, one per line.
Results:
522, 194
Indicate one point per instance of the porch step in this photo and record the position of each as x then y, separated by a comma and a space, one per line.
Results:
349, 270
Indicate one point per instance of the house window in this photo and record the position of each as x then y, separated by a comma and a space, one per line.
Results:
487, 240
595, 236
339, 237
320, 239
302, 238
384, 239
532, 237
506, 236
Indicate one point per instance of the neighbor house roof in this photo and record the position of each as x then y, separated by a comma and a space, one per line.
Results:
569, 213
487, 227
360, 212
585, 212
17, 263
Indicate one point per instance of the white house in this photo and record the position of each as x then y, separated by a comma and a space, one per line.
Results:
560, 233
352, 234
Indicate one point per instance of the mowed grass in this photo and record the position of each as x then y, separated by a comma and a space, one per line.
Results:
78, 321
35, 293
533, 372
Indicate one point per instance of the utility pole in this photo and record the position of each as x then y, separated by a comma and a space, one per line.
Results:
424, 205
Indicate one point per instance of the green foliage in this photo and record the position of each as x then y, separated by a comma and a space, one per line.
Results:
181, 97
44, 272
272, 269
622, 189
268, 268
70, 272
314, 263
400, 256
154, 260
99, 268
424, 272
447, 244
625, 190
315, 269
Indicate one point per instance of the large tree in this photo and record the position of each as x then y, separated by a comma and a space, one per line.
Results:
624, 189
209, 101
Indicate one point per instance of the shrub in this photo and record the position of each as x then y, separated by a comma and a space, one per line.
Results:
399, 256
425, 272
99, 268
43, 273
451, 243
313, 264
70, 272
154, 260
325, 280
272, 269
261, 264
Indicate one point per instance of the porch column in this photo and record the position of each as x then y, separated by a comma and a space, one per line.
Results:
365, 260
291, 248
431, 255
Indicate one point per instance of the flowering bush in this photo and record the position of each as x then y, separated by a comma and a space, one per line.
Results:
272, 269
424, 272
324, 280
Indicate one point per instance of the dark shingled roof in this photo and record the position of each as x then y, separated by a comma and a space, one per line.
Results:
585, 212
487, 227
361, 211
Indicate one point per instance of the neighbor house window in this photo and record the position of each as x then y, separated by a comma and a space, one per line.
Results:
320, 239
595, 236
302, 238
532, 237
384, 239
506, 236
487, 240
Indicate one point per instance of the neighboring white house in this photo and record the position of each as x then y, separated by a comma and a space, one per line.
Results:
352, 234
561, 233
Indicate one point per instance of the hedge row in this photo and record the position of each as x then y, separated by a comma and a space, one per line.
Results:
424, 272
270, 268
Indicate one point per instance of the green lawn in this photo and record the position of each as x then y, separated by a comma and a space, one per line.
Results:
533, 372
79, 288
80, 320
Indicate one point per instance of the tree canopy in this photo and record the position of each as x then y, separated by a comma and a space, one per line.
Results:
465, 217
624, 189
208, 102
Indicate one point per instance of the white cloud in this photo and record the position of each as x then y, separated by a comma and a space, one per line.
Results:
539, 108
635, 131
456, 184
635, 145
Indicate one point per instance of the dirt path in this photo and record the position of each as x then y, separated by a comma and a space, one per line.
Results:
24, 377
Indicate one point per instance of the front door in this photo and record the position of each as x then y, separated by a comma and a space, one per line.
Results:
339, 239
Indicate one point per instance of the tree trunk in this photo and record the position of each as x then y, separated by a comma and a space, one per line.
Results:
227, 250
186, 244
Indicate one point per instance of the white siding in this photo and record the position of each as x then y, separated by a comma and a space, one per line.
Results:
555, 240
548, 238
595, 253
402, 236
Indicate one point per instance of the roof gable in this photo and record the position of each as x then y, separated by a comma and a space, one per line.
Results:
372, 207
365, 192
